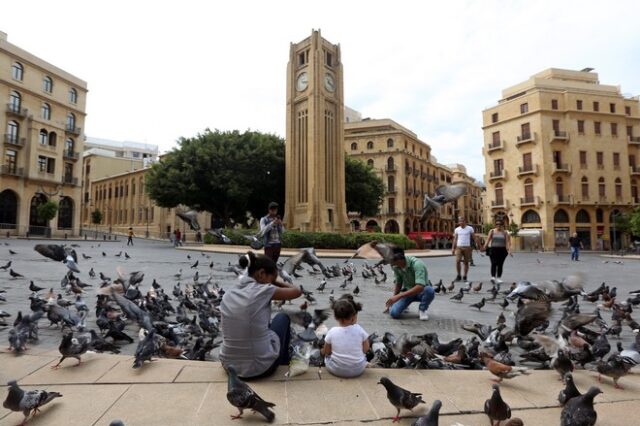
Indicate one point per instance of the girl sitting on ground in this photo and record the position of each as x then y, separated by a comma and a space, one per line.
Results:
345, 346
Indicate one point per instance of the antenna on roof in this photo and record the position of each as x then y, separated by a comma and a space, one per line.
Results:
587, 69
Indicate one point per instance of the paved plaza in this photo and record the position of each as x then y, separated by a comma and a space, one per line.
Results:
197, 389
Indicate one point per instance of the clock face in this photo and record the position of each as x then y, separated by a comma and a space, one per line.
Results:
302, 81
329, 83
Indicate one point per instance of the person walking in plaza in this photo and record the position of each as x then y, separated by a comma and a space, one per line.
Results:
575, 243
271, 230
178, 238
497, 246
252, 342
411, 285
130, 236
462, 237
345, 346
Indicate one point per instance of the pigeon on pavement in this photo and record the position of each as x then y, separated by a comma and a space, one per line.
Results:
570, 390
496, 408
579, 411
399, 397
27, 401
431, 418
72, 347
241, 396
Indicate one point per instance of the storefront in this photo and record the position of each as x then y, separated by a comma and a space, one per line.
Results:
531, 239
561, 236
585, 237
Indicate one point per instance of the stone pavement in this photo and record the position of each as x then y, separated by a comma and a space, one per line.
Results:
172, 392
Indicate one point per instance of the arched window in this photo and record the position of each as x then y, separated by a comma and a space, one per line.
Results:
618, 188
73, 96
69, 145
8, 207
13, 131
499, 194
530, 216
390, 164
389, 143
354, 146
53, 139
528, 190
585, 188
370, 145
391, 183
65, 213
370, 162
599, 216
17, 71
46, 111
15, 101
561, 216
43, 137
71, 121
601, 188
583, 216
47, 84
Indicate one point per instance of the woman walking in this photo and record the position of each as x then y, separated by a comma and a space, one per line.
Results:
498, 245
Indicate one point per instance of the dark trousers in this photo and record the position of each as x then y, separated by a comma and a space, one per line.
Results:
273, 252
497, 256
281, 325
130, 240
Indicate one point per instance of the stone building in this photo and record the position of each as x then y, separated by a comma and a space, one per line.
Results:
561, 156
469, 205
43, 118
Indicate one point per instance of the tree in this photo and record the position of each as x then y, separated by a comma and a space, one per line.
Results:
364, 189
96, 218
487, 227
47, 211
225, 173
513, 229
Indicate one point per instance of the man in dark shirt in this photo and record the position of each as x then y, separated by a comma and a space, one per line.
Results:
575, 244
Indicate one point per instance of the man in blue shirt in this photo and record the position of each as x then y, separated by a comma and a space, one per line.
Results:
271, 230
411, 279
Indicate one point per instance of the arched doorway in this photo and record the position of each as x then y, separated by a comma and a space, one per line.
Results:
37, 226
355, 225
561, 228
65, 213
372, 226
8, 209
391, 227
583, 227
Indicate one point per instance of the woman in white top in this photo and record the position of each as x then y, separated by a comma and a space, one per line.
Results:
345, 346
253, 343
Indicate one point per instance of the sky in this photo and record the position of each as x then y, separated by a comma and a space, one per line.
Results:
160, 70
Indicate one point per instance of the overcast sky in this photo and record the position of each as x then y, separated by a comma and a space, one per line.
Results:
160, 70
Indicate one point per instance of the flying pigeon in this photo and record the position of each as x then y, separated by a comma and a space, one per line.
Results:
444, 194
191, 218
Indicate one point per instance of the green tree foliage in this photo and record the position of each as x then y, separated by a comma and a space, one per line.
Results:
225, 173
632, 223
47, 210
96, 216
487, 227
364, 189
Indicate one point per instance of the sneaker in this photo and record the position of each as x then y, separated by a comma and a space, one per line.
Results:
493, 280
464, 278
424, 316
499, 281
458, 278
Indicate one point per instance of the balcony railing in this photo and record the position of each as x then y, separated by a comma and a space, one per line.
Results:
74, 155
526, 138
73, 130
69, 180
561, 168
528, 170
499, 204
634, 170
635, 200
391, 212
12, 170
391, 190
17, 110
562, 199
495, 145
529, 201
408, 170
14, 140
559, 135
391, 168
499, 174
635, 140
602, 198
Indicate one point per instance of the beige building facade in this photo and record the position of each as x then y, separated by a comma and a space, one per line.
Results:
42, 117
561, 156
314, 156
469, 205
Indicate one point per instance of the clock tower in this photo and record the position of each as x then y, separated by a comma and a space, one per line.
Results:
314, 161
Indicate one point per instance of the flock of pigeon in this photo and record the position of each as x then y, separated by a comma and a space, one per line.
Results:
183, 322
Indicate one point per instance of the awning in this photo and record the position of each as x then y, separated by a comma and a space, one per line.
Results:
530, 233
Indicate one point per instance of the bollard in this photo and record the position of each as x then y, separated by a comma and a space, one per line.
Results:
104, 237
85, 237
8, 234
65, 235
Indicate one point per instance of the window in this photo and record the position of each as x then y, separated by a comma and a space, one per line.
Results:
71, 121
68, 171
583, 159
579, 104
556, 126
495, 139
583, 216
494, 117
17, 71
69, 144
53, 139
499, 194
559, 188
370, 145
370, 162
15, 101
618, 188
524, 108
391, 202
526, 162
600, 159
390, 143
42, 163
354, 146
45, 111
11, 160
627, 110
629, 130
329, 59
599, 216
43, 137
554, 104
561, 216
528, 190
596, 106
596, 127
585, 188
634, 190
47, 84
612, 108
616, 160
614, 130
601, 188
530, 216
73, 96
13, 131
526, 131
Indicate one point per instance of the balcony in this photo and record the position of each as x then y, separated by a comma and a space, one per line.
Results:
529, 201
391, 190
526, 138
634, 140
634, 170
495, 146
17, 110
635, 200
11, 170
560, 136
416, 172
71, 155
409, 211
561, 168
499, 204
391, 212
528, 170
602, 199
70, 180
562, 199
391, 168
73, 130
14, 140
499, 174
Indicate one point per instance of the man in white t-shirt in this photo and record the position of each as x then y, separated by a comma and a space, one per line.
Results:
462, 237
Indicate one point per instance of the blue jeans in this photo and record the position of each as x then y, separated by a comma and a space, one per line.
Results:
281, 325
575, 253
425, 298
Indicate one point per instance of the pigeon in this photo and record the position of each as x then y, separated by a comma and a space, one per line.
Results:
14, 274
85, 257
218, 234
27, 401
496, 408
34, 287
431, 418
92, 273
504, 304
569, 391
375, 250
190, 218
306, 255
562, 363
579, 411
12, 252
241, 396
148, 347
502, 371
458, 296
195, 264
322, 285
399, 397
478, 305
72, 347
126, 255
444, 194
615, 367
356, 291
